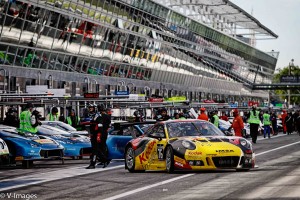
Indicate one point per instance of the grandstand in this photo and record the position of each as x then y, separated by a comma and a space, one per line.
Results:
163, 47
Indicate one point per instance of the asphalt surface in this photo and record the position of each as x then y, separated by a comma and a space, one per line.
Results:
277, 176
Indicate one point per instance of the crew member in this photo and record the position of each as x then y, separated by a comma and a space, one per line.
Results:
138, 117
72, 119
283, 116
11, 118
254, 122
29, 120
202, 115
215, 118
237, 124
224, 116
289, 122
266, 123
53, 116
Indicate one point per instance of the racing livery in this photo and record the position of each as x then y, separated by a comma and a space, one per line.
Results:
4, 152
28, 147
188, 145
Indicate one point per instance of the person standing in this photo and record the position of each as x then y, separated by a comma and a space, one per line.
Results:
283, 116
163, 115
202, 115
72, 119
53, 116
266, 123
11, 118
105, 121
237, 124
254, 122
289, 121
274, 123
28, 121
224, 116
215, 118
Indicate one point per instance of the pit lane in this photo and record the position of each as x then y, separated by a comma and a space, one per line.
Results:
277, 177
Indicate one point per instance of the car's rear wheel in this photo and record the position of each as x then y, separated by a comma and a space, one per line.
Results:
130, 159
169, 160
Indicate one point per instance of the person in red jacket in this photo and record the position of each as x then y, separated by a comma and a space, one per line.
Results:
237, 124
224, 116
202, 115
283, 116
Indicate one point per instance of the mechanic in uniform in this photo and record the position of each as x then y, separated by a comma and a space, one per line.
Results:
254, 122
267, 123
72, 119
237, 123
29, 120
202, 115
53, 116
215, 118
163, 115
224, 116
283, 116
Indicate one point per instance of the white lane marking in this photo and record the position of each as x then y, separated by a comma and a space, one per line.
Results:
8, 184
147, 187
288, 145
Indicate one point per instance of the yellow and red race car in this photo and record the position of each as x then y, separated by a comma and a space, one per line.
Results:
188, 145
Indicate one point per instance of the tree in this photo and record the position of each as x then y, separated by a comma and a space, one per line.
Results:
295, 70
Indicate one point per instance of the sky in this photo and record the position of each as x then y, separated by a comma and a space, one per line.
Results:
283, 18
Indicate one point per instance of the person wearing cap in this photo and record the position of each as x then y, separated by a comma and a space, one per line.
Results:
53, 116
11, 118
237, 123
72, 119
224, 116
215, 118
28, 122
267, 123
283, 116
254, 122
202, 115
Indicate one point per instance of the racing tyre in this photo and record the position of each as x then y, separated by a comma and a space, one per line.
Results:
169, 159
130, 159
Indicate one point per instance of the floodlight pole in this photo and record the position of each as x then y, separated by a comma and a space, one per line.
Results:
289, 91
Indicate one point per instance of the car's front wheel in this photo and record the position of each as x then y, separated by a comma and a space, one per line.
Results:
169, 159
130, 159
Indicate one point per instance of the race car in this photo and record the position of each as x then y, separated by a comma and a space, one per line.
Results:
188, 145
4, 152
65, 127
121, 133
28, 147
75, 146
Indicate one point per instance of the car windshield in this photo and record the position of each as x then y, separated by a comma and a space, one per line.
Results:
192, 128
60, 125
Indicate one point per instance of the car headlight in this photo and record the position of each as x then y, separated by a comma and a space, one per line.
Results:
245, 143
188, 145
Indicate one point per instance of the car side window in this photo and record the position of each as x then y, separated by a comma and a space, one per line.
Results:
157, 131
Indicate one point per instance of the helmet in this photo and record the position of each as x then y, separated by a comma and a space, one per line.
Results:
101, 107
202, 109
91, 105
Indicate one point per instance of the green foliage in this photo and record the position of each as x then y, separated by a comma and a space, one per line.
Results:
295, 70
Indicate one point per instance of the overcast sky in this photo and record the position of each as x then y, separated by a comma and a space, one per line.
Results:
283, 18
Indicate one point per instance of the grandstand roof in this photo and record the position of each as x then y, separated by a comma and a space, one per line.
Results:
226, 9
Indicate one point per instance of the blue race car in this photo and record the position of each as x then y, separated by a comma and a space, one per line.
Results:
75, 146
29, 147
121, 134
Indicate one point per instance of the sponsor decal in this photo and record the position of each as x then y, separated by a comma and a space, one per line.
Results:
44, 141
194, 153
225, 151
177, 159
145, 155
160, 151
179, 164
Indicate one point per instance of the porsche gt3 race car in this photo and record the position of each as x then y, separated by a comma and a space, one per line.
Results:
28, 147
4, 152
75, 146
188, 145
121, 133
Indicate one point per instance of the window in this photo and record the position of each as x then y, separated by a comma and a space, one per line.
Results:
157, 131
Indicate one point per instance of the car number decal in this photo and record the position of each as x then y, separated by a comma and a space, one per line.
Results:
160, 151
